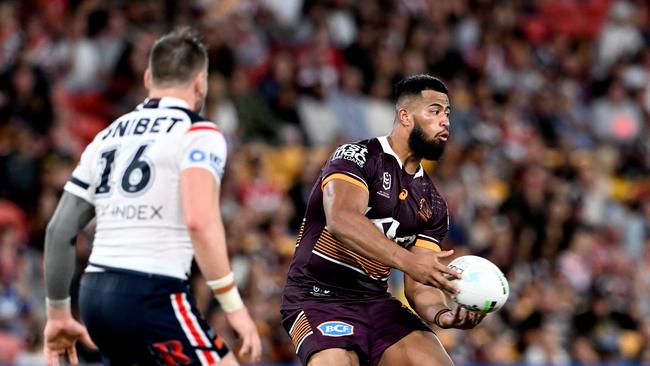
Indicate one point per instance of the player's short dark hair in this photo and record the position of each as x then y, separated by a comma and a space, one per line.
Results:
177, 57
415, 84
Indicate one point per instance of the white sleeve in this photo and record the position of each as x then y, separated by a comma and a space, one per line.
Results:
204, 146
82, 181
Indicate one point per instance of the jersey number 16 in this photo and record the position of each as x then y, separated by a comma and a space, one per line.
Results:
135, 177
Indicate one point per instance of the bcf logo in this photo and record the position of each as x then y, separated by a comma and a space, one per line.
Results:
336, 329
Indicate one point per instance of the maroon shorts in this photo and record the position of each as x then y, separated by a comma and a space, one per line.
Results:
367, 327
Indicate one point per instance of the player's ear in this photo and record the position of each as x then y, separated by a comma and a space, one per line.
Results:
147, 78
201, 83
403, 117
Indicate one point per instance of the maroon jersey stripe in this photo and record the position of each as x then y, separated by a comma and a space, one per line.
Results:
333, 248
328, 238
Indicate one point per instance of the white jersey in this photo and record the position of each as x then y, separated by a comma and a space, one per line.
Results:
131, 174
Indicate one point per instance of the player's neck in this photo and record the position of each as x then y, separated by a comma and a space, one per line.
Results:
410, 161
185, 95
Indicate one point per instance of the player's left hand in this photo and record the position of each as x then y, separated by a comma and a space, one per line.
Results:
241, 322
61, 335
459, 319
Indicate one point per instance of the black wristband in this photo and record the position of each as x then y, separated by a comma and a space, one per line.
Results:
436, 318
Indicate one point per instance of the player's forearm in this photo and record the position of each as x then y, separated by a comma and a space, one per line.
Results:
59, 262
212, 257
71, 216
426, 301
358, 233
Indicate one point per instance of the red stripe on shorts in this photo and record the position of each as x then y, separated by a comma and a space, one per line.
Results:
190, 325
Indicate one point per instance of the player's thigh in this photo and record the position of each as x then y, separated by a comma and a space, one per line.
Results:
316, 328
334, 356
417, 348
178, 334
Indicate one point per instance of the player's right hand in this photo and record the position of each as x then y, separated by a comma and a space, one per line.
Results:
242, 323
460, 319
427, 269
61, 335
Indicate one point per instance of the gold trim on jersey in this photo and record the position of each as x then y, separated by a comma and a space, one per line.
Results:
300, 330
330, 247
346, 178
421, 243
300, 232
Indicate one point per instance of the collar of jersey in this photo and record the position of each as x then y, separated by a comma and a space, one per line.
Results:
383, 140
166, 102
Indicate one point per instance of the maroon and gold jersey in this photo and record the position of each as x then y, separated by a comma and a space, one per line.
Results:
407, 208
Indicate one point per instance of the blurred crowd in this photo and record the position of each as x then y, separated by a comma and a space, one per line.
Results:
547, 172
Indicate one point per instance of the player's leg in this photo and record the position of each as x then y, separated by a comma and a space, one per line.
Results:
334, 356
98, 307
399, 337
417, 348
328, 333
178, 335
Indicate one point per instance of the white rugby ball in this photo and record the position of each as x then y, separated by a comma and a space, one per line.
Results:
483, 288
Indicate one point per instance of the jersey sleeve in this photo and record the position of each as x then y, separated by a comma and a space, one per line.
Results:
204, 146
433, 235
349, 163
82, 180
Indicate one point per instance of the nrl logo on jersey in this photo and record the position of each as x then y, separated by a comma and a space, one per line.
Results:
386, 182
319, 292
351, 152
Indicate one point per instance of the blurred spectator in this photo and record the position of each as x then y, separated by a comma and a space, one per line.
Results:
604, 327
254, 116
619, 37
546, 349
20, 169
616, 118
25, 97
348, 106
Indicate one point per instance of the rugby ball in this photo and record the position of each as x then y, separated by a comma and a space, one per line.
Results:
483, 288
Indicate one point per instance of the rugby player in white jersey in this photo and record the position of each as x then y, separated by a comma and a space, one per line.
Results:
151, 178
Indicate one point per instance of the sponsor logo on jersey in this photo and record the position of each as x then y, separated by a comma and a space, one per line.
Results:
216, 163
403, 194
336, 328
351, 152
386, 182
131, 212
197, 155
405, 241
139, 126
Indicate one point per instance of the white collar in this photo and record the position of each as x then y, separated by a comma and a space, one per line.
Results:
385, 145
166, 102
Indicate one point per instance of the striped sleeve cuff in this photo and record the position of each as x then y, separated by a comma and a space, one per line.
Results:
350, 178
428, 242
79, 188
